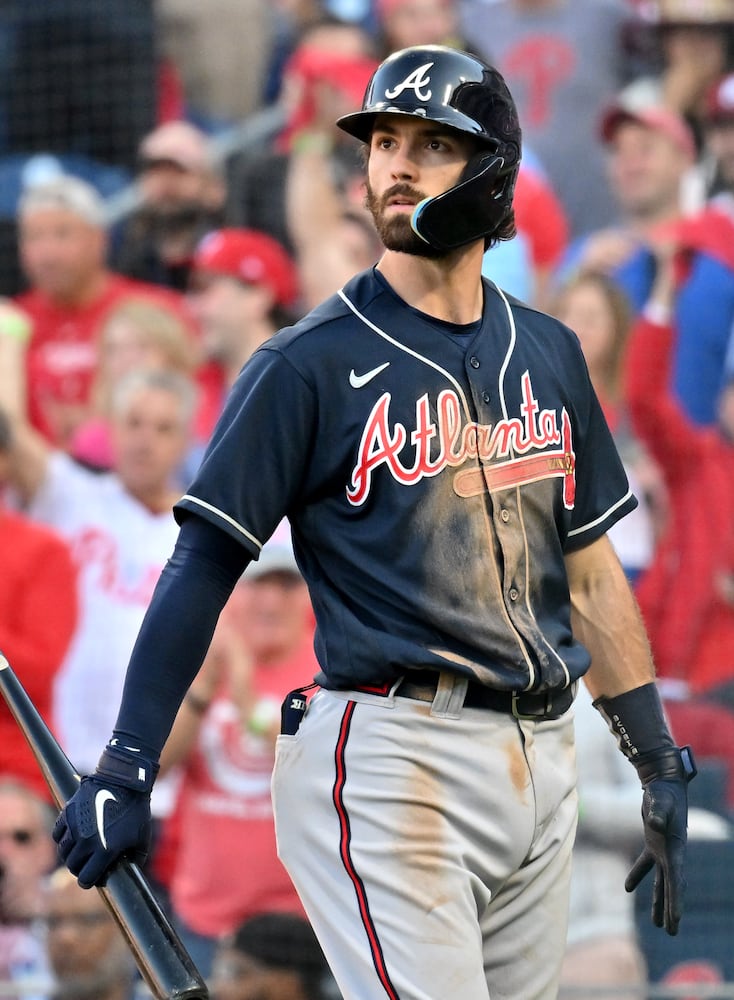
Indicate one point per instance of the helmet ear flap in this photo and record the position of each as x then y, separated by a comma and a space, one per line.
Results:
471, 209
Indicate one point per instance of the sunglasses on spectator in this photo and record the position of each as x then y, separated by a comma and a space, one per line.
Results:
19, 836
81, 921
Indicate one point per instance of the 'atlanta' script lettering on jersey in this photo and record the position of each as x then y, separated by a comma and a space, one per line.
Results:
449, 442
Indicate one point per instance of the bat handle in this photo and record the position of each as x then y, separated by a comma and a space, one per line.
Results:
162, 959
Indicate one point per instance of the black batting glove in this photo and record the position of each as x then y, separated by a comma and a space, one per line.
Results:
664, 775
637, 720
108, 816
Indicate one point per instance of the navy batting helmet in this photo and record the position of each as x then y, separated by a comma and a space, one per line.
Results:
444, 85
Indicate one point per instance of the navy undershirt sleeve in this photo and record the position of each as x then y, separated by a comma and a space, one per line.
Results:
178, 626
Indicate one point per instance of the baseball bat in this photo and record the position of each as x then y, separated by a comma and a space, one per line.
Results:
164, 963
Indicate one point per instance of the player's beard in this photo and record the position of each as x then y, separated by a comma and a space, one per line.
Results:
395, 230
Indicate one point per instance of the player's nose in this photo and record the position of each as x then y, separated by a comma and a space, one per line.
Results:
403, 165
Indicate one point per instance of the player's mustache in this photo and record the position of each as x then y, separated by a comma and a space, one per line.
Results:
402, 191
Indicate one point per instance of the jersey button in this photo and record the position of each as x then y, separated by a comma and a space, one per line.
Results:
474, 361
485, 397
514, 594
505, 515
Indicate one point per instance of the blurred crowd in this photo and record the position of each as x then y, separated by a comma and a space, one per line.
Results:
174, 192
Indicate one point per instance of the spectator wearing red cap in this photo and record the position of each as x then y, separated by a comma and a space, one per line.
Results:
243, 288
651, 154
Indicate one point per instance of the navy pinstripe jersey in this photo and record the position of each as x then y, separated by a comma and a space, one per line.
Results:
434, 478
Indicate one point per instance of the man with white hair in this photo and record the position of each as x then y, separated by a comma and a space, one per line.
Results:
121, 530
181, 197
63, 254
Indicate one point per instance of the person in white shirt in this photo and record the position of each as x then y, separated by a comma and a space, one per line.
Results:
121, 529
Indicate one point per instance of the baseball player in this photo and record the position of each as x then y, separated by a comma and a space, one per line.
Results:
449, 479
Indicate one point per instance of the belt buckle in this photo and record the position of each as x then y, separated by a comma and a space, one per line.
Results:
564, 697
545, 706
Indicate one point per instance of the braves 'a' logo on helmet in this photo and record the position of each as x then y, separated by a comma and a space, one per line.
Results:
418, 81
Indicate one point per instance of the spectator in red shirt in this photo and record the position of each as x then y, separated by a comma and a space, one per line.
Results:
63, 251
687, 594
224, 739
38, 613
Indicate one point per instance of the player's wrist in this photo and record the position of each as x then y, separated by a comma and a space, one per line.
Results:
666, 764
126, 767
637, 721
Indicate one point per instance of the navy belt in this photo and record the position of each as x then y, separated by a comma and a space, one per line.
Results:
422, 685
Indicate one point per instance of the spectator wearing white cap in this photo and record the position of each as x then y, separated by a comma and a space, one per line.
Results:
181, 195
63, 253
243, 288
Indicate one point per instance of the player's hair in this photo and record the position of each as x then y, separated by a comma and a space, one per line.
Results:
175, 383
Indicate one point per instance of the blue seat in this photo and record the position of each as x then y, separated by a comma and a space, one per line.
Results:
706, 932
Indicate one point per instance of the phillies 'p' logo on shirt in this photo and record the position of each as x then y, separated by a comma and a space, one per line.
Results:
418, 81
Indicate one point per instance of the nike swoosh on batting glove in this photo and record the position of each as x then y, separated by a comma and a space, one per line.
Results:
108, 817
